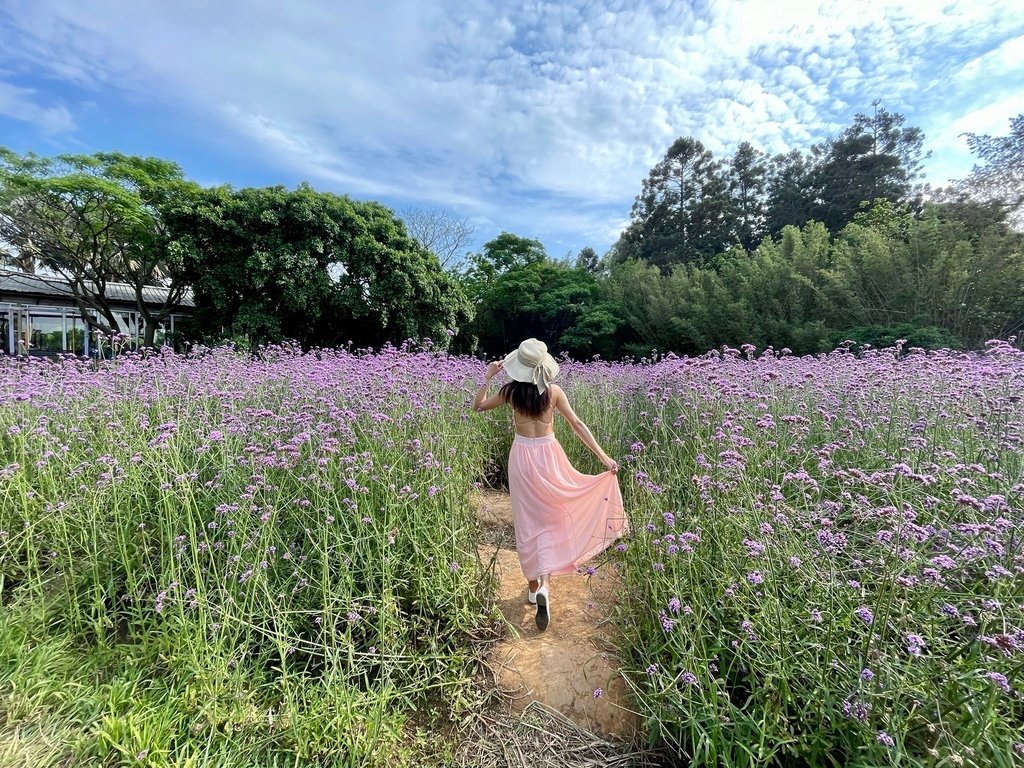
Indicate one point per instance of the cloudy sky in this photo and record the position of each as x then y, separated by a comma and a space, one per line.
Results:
540, 118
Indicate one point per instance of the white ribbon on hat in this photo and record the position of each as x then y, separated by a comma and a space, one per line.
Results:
540, 377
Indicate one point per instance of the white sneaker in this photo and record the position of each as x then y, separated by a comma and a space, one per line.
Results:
543, 615
531, 597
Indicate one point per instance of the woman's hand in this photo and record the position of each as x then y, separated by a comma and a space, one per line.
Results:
611, 464
492, 369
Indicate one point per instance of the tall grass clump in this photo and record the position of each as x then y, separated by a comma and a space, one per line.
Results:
230, 560
826, 566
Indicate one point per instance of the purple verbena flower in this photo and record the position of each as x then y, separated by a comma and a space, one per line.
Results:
1000, 680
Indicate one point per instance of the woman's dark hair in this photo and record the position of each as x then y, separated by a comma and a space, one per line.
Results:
526, 398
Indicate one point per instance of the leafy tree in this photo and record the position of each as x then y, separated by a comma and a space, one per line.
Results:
747, 173
1000, 175
937, 270
508, 251
952, 273
638, 289
875, 157
690, 310
681, 213
519, 292
588, 260
156, 258
789, 194
891, 136
93, 220
271, 264
594, 332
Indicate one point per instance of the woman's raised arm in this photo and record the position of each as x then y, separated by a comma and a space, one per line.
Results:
483, 403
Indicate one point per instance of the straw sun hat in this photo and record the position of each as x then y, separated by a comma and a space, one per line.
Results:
531, 363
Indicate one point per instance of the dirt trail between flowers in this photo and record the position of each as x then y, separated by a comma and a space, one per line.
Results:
562, 667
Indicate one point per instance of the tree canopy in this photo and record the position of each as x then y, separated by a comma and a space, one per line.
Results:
518, 292
271, 263
693, 207
682, 213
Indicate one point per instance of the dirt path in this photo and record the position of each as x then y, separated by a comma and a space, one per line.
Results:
563, 666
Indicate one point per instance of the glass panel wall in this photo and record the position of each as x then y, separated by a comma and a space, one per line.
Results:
46, 334
22, 333
129, 325
50, 330
162, 335
76, 333
6, 321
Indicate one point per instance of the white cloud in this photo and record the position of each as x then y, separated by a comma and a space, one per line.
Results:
535, 116
1000, 61
992, 118
22, 104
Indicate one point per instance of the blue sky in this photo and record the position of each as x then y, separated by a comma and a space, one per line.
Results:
539, 118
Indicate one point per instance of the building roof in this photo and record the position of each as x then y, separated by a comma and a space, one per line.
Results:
48, 286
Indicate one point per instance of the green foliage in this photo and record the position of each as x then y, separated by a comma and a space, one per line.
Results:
747, 177
271, 263
789, 198
998, 178
956, 268
888, 336
588, 259
519, 292
693, 207
951, 276
875, 157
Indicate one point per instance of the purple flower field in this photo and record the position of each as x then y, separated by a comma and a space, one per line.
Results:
847, 536
273, 555
242, 561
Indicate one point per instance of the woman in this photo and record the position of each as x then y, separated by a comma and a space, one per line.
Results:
562, 517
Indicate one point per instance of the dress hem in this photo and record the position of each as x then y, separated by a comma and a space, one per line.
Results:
590, 554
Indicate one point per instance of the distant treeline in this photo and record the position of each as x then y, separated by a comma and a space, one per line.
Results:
800, 251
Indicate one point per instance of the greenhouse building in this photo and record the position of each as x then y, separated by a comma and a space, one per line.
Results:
38, 315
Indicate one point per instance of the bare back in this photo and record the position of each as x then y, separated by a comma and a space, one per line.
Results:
528, 426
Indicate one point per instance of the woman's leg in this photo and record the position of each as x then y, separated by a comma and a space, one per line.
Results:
533, 584
543, 613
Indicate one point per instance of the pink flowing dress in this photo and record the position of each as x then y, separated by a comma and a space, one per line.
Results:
562, 517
